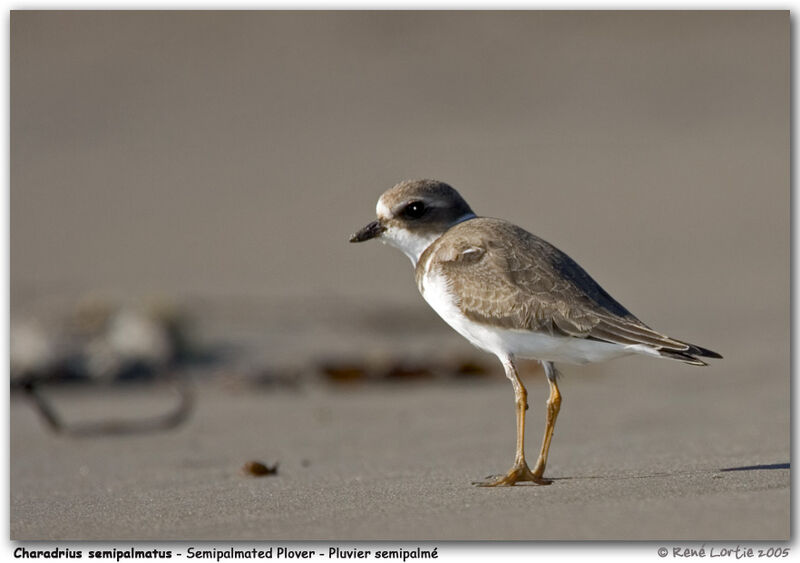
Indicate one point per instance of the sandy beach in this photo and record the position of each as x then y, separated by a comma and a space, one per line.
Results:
633, 459
644, 450
219, 161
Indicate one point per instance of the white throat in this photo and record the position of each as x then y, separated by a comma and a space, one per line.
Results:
414, 244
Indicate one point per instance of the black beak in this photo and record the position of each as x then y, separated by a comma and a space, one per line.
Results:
374, 229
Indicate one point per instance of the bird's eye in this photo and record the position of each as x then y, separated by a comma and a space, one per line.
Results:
414, 210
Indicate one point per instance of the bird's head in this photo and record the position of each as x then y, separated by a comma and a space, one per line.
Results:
413, 214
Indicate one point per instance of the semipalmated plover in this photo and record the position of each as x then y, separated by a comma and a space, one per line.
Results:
512, 294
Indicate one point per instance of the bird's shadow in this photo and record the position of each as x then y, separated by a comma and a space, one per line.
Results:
762, 467
785, 465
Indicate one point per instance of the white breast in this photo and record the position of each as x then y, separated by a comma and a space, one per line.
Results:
519, 343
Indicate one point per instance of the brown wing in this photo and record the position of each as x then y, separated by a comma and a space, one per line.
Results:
506, 277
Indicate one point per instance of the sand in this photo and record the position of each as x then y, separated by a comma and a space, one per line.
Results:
644, 454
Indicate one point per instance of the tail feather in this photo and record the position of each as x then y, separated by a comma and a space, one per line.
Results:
664, 346
633, 333
703, 352
690, 355
682, 357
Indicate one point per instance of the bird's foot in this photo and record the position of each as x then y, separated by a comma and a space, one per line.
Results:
520, 472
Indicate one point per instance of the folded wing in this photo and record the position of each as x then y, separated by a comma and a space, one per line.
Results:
534, 286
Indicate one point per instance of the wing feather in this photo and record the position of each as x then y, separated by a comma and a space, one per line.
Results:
507, 277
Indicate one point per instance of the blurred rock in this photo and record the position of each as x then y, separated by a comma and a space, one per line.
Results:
469, 368
102, 339
400, 368
134, 343
33, 352
344, 371
405, 369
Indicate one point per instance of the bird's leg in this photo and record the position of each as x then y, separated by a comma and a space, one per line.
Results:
553, 406
520, 471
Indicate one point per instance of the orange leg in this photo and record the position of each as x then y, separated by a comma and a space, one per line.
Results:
553, 406
520, 471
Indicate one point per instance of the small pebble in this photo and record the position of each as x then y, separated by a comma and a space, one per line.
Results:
258, 469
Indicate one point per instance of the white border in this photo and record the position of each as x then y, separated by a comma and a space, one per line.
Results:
448, 551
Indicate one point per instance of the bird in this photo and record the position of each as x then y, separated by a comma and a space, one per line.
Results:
514, 295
